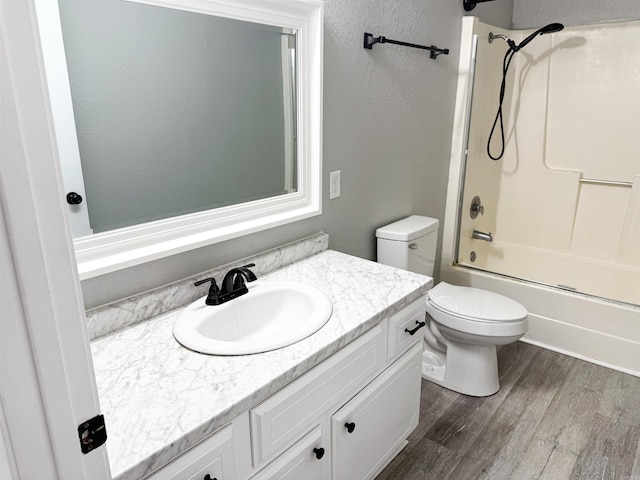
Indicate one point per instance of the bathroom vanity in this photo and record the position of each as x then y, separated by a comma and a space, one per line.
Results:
338, 404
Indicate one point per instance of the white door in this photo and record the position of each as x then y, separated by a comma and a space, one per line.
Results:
46, 374
55, 65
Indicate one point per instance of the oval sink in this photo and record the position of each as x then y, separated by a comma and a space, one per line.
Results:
271, 315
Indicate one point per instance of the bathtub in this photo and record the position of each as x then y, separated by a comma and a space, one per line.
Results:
610, 281
593, 329
601, 330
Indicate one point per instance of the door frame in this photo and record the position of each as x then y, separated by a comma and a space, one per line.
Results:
47, 381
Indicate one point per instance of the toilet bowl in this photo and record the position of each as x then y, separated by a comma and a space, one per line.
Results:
464, 324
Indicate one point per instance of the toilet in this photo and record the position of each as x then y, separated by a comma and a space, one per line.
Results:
464, 325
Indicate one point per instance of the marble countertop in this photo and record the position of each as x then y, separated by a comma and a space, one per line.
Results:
160, 398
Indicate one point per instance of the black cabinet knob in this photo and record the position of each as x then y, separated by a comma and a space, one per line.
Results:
74, 198
319, 452
208, 477
350, 426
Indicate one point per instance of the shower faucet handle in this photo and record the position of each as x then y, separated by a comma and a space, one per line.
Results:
476, 207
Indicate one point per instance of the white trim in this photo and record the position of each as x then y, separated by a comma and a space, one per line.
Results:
131, 246
458, 141
126, 247
48, 385
288, 91
25, 428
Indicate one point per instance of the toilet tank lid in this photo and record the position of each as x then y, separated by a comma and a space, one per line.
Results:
408, 228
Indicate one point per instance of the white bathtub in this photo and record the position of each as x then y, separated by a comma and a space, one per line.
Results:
602, 331
609, 281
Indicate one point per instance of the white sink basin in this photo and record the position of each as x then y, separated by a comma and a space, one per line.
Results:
272, 315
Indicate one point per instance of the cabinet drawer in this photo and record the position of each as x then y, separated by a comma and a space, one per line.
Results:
214, 457
404, 322
373, 426
299, 462
278, 421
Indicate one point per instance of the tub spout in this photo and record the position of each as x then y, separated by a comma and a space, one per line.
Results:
482, 236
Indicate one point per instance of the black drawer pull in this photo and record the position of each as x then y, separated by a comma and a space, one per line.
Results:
319, 452
420, 325
350, 427
208, 477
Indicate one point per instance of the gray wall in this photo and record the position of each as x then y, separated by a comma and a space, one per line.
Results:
388, 116
535, 14
176, 112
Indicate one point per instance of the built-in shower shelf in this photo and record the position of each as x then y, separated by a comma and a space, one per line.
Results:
612, 183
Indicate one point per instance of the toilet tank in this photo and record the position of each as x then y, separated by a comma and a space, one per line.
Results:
409, 244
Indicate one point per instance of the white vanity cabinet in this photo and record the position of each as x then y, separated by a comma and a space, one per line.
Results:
372, 427
282, 419
212, 459
302, 461
345, 419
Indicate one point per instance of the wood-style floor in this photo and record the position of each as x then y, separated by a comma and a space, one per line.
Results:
555, 417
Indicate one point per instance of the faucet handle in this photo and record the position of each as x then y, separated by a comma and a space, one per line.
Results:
214, 291
250, 276
476, 207
205, 280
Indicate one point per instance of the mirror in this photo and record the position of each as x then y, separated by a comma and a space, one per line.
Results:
176, 112
181, 124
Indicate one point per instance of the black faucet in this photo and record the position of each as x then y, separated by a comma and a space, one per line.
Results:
233, 285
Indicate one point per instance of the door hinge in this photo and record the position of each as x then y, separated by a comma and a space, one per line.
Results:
92, 433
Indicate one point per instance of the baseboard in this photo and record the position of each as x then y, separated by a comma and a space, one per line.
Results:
597, 347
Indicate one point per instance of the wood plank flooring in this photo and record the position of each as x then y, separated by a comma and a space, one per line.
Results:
554, 418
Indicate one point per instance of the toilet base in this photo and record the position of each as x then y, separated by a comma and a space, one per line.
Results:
468, 369
433, 366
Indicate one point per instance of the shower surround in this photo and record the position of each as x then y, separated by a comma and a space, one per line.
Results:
563, 204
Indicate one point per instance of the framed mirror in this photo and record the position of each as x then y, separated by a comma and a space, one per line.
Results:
183, 124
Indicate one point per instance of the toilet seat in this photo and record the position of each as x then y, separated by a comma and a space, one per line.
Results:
475, 311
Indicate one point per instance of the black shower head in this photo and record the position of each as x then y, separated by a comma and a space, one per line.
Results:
551, 28
508, 56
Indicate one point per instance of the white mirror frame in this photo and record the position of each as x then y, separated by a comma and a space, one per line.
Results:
110, 251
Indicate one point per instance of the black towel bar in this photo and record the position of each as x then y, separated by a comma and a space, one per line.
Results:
370, 41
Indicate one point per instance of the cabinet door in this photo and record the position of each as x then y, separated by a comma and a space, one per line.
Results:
300, 461
213, 459
284, 417
373, 426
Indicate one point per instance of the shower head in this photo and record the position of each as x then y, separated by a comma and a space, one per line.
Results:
551, 28
508, 56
